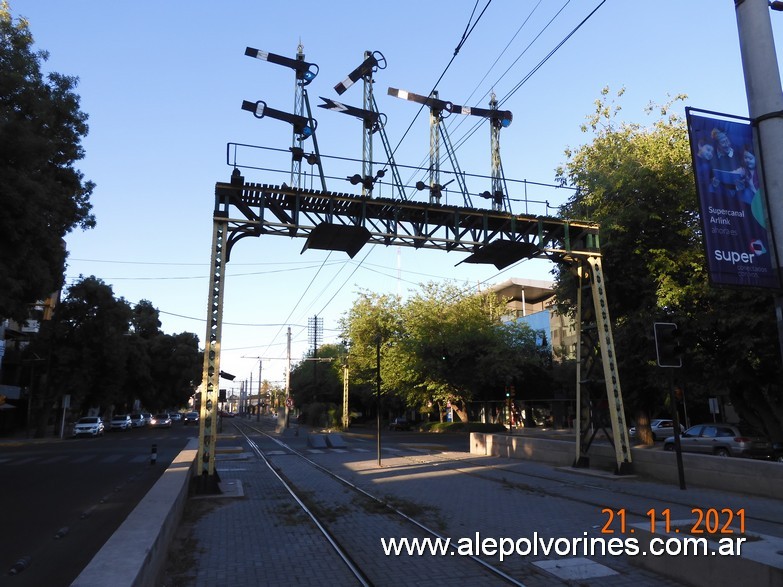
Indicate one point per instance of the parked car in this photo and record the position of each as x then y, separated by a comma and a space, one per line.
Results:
191, 418
175, 416
160, 421
777, 452
725, 440
226, 414
89, 426
138, 420
661, 429
399, 424
120, 422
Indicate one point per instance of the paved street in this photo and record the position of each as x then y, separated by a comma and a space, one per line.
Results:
62, 499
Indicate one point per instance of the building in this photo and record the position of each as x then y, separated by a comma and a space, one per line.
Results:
532, 301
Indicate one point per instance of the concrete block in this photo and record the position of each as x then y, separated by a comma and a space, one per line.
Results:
748, 476
758, 562
335, 440
317, 441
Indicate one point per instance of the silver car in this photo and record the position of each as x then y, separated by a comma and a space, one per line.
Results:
138, 420
120, 422
725, 440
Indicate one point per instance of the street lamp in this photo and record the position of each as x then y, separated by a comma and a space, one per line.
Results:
378, 390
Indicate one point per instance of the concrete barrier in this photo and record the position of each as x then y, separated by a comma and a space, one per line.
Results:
753, 557
317, 441
752, 477
136, 552
335, 440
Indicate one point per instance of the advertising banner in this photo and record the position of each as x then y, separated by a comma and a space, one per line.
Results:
730, 187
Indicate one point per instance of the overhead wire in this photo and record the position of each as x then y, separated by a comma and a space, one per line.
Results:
552, 52
309, 285
538, 66
516, 88
481, 81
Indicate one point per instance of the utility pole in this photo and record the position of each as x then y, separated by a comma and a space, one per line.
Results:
287, 375
260, 381
765, 108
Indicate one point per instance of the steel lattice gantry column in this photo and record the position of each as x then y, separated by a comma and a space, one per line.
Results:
605, 343
207, 431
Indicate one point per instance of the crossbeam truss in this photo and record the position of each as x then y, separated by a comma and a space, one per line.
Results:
487, 236
291, 212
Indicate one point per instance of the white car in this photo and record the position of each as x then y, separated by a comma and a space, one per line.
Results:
88, 426
661, 429
120, 422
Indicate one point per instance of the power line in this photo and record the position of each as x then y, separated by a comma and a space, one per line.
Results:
309, 285
552, 52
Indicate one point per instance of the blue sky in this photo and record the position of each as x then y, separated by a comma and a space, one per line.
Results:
163, 82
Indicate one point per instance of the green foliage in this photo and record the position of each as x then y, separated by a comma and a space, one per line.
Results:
442, 345
637, 182
43, 197
104, 354
317, 384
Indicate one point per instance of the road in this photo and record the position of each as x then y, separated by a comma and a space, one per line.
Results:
62, 499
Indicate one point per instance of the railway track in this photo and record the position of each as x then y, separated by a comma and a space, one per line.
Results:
337, 508
341, 491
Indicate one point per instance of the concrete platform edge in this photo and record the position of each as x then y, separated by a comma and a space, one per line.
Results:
136, 552
746, 476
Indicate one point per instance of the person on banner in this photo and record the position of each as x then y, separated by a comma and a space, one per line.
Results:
727, 163
749, 182
704, 164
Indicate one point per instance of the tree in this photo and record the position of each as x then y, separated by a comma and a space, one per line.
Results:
107, 355
43, 197
371, 325
637, 182
317, 385
175, 365
85, 348
443, 345
458, 352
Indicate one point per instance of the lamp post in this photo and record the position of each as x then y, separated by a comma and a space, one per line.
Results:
765, 108
378, 391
